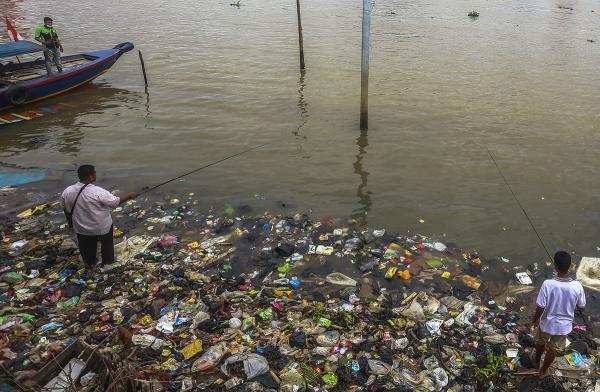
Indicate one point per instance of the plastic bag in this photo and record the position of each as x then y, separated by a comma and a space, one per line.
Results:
328, 339
254, 365
199, 318
126, 251
323, 351
440, 247
432, 306
440, 377
400, 343
235, 323
431, 363
298, 339
210, 358
433, 326
495, 339
167, 240
167, 322
379, 368
147, 341
588, 273
292, 381
420, 380
468, 312
340, 279
232, 383
471, 281
414, 311
86, 378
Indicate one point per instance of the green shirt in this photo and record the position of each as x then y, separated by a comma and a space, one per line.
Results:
48, 35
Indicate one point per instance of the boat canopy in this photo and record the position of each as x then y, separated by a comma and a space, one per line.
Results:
18, 48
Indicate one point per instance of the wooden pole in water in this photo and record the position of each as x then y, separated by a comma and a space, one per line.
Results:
143, 68
300, 39
364, 66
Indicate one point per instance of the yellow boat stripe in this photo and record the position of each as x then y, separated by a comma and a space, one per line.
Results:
21, 117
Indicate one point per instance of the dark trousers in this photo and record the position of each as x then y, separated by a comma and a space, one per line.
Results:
87, 247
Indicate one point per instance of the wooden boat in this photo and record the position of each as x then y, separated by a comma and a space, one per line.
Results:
26, 82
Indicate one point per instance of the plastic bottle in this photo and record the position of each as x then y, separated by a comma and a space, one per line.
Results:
210, 358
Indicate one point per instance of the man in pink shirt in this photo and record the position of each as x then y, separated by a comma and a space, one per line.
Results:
555, 311
90, 206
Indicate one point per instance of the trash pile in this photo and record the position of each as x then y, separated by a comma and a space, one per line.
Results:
217, 302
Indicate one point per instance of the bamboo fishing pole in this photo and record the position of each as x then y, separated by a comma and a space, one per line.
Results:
146, 190
528, 218
519, 203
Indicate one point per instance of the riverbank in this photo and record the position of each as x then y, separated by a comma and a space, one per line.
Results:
238, 300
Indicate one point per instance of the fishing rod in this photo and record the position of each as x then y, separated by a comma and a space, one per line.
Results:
146, 189
519, 203
528, 218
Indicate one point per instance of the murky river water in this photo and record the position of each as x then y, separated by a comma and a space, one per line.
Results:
521, 80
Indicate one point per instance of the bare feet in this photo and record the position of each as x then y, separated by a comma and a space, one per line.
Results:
536, 358
89, 270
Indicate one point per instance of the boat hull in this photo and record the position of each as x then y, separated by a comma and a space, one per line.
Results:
52, 85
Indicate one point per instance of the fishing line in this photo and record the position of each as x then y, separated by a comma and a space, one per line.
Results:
529, 220
146, 190
519, 203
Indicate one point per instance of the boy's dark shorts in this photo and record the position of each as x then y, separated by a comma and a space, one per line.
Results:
556, 342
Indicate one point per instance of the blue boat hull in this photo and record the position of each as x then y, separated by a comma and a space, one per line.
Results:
51, 85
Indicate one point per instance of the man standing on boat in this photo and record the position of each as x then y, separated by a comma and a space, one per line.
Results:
48, 37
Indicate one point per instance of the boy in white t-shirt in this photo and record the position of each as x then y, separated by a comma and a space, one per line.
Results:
555, 311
